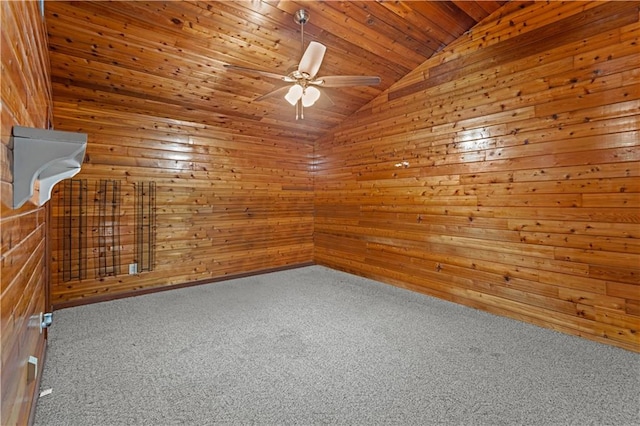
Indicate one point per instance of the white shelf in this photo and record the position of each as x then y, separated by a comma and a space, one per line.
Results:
46, 156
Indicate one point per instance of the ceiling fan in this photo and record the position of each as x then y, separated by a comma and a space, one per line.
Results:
303, 89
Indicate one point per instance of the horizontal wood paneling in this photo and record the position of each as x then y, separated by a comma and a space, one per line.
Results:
226, 203
26, 101
502, 173
147, 82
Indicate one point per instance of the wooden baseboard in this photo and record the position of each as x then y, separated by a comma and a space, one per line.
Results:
108, 297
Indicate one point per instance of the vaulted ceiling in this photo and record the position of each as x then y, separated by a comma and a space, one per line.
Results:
166, 59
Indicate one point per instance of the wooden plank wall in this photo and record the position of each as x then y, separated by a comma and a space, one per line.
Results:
26, 101
226, 203
503, 173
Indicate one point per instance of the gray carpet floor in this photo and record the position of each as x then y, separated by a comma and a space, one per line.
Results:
317, 346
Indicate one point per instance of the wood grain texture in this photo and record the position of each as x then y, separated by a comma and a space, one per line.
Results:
519, 194
227, 203
26, 101
502, 173
234, 177
167, 58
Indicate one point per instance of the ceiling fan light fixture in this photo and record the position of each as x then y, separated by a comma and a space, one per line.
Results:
310, 96
294, 94
302, 93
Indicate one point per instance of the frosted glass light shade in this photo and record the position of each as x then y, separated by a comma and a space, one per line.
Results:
294, 94
310, 96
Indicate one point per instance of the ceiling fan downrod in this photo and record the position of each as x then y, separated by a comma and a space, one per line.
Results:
301, 17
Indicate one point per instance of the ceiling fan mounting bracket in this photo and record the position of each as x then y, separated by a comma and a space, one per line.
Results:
301, 17
299, 75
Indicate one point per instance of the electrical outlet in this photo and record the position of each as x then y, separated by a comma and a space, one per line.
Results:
133, 268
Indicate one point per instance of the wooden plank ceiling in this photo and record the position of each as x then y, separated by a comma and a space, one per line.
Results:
143, 56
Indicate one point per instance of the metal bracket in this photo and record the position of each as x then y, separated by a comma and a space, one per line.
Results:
47, 156
45, 320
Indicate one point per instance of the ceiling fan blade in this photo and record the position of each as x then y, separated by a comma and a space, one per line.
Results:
281, 91
312, 59
346, 80
325, 100
259, 72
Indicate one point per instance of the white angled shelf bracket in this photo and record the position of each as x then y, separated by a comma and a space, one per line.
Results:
46, 156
